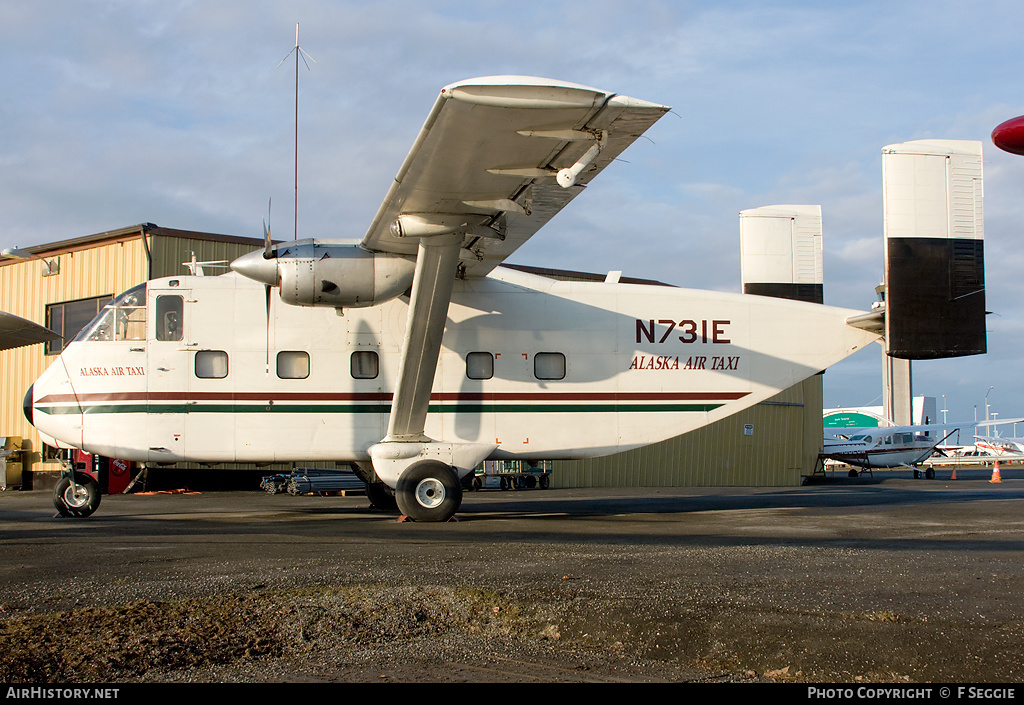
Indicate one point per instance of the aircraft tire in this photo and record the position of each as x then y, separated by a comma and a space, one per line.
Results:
381, 496
78, 500
429, 491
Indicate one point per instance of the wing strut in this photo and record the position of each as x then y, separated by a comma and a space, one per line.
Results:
406, 443
436, 261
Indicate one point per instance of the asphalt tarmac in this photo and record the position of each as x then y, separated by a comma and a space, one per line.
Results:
873, 579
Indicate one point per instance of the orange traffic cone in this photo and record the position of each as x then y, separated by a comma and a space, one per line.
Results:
954, 474
995, 473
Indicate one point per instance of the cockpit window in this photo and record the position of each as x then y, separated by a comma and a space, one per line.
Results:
169, 310
124, 318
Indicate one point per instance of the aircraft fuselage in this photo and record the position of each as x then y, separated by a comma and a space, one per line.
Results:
196, 370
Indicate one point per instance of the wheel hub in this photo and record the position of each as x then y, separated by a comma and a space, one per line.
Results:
76, 496
430, 493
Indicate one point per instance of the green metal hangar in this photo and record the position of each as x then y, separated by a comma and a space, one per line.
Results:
63, 285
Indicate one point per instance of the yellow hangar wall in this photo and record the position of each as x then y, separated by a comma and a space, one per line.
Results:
100, 265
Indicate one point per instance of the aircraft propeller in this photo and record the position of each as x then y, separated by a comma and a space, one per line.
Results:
268, 253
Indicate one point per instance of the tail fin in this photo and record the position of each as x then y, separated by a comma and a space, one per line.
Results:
934, 249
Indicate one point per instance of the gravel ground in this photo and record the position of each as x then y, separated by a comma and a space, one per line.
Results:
895, 582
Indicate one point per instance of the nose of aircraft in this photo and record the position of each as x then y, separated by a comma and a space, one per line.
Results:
257, 267
52, 406
27, 405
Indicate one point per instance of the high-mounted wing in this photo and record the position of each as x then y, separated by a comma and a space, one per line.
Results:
497, 158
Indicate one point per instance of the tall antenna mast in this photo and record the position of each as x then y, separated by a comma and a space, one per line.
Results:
299, 53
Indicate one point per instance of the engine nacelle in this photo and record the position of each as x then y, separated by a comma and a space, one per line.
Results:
315, 273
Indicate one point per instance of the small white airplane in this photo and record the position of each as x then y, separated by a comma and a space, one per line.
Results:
412, 353
889, 447
885, 447
1000, 446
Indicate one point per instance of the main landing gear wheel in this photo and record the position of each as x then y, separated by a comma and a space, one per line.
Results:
429, 491
78, 499
381, 496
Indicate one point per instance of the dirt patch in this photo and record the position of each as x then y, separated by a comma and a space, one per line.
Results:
379, 633
200, 639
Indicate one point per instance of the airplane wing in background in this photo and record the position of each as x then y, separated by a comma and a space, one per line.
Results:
498, 157
16, 332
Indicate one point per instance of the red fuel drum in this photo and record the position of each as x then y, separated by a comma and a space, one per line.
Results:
1009, 136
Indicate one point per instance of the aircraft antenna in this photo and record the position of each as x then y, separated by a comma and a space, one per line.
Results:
300, 53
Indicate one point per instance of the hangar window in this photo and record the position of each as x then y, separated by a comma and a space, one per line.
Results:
549, 365
293, 364
479, 365
69, 318
364, 364
211, 364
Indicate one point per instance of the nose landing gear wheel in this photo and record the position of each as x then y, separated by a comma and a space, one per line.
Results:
429, 491
78, 499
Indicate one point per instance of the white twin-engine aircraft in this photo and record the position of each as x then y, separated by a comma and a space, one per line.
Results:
412, 353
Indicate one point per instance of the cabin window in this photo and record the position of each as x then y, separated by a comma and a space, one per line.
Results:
293, 364
169, 317
68, 319
549, 365
211, 364
364, 364
479, 365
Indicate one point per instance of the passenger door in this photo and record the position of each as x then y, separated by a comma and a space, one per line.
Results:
169, 362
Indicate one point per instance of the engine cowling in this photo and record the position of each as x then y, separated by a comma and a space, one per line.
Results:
324, 273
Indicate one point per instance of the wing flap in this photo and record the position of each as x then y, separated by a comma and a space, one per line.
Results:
488, 156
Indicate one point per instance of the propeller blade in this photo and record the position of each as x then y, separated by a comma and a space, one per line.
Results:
267, 294
268, 252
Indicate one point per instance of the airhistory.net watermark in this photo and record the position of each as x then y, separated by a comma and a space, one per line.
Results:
55, 693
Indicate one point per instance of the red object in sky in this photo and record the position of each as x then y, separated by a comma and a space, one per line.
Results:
1009, 136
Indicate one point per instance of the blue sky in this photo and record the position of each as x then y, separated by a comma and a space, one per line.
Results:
178, 113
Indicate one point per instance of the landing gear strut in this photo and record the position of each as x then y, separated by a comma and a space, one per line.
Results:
429, 491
